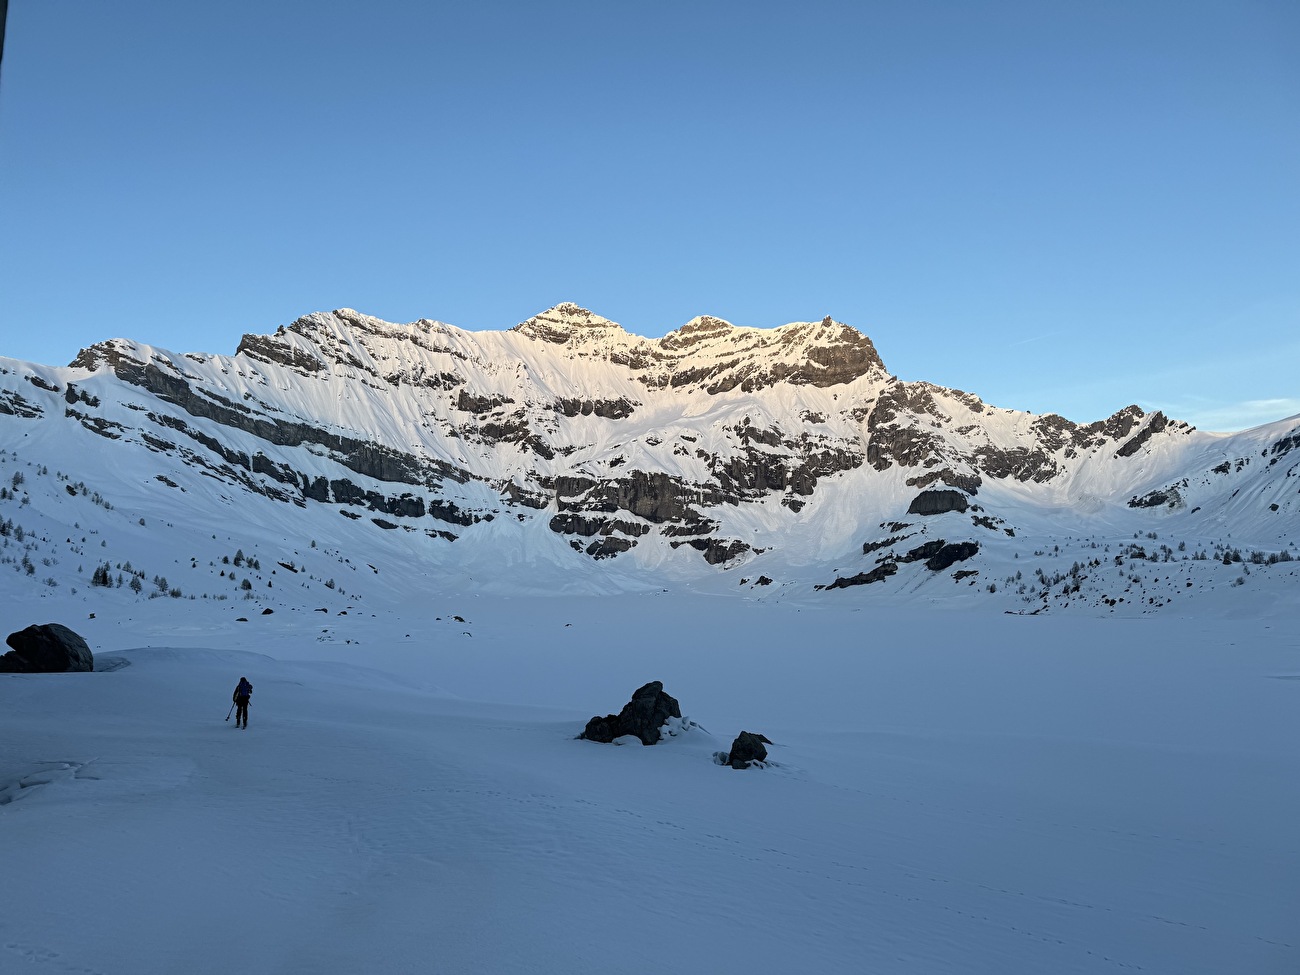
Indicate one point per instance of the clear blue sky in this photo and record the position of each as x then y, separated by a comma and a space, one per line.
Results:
1060, 206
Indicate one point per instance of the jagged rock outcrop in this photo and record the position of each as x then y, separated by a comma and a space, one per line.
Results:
568, 324
625, 447
1283, 446
1168, 497
938, 554
616, 409
266, 349
950, 553
879, 574
1154, 425
824, 355
643, 717
49, 648
13, 404
717, 551
968, 482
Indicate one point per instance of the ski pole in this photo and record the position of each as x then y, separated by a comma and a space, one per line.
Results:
230, 712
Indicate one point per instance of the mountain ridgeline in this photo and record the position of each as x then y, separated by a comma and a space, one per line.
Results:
786, 455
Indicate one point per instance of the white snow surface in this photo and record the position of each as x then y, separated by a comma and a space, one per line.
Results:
946, 792
399, 388
955, 786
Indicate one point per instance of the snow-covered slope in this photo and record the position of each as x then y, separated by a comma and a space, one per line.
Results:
1030, 683
568, 455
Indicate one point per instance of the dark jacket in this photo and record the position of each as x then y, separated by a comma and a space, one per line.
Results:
243, 691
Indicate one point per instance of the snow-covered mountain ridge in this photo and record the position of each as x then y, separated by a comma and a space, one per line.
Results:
568, 453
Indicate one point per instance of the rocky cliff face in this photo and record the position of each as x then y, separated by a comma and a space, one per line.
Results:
709, 445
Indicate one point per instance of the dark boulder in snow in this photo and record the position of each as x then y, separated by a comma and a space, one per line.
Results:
926, 551
937, 502
642, 716
747, 749
48, 649
602, 729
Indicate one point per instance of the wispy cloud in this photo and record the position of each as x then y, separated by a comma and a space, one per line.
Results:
1226, 417
1032, 339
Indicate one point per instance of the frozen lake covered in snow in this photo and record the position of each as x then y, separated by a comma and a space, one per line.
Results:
948, 792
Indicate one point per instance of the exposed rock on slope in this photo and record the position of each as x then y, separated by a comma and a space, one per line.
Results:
711, 447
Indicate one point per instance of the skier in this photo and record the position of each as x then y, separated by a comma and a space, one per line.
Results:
243, 691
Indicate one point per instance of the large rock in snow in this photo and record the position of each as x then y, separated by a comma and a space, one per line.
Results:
48, 649
747, 749
937, 502
642, 716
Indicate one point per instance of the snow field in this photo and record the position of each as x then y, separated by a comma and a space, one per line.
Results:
949, 792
